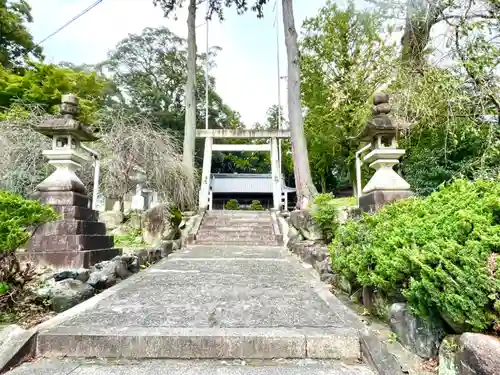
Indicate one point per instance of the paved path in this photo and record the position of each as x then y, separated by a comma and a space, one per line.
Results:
168, 367
210, 302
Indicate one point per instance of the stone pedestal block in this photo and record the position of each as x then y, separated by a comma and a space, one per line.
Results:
373, 201
76, 240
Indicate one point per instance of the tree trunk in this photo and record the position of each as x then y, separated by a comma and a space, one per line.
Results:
421, 16
323, 183
303, 180
190, 119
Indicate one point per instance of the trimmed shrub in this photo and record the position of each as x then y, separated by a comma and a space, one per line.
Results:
439, 252
325, 210
232, 205
17, 217
256, 206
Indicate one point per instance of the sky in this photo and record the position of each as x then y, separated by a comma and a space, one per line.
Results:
246, 73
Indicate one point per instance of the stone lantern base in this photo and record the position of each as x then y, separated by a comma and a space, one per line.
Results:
76, 240
376, 199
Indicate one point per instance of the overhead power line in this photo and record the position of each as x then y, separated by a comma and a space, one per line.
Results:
79, 15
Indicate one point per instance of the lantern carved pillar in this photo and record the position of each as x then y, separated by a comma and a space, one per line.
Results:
386, 185
77, 239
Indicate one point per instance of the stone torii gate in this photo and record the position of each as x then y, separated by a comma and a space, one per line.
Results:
210, 147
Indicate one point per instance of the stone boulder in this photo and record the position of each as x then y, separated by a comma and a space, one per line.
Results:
294, 236
343, 283
325, 271
65, 294
448, 355
80, 274
479, 354
156, 225
310, 252
417, 335
102, 279
112, 219
305, 224
375, 301
106, 274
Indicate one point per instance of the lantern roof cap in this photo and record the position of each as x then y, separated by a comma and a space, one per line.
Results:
380, 123
66, 123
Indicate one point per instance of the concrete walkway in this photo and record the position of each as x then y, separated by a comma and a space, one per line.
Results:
194, 367
211, 303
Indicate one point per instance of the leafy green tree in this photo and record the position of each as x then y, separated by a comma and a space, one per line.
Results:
16, 41
344, 59
44, 84
275, 118
149, 70
217, 6
445, 134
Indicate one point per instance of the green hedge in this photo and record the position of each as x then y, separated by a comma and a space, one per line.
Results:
16, 215
438, 252
325, 211
256, 206
232, 204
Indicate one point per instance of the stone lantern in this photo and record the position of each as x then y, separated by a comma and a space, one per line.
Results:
66, 154
77, 239
386, 185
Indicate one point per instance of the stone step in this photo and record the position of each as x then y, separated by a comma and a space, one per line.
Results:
200, 343
237, 213
229, 217
237, 219
243, 224
233, 217
216, 236
194, 367
236, 243
231, 230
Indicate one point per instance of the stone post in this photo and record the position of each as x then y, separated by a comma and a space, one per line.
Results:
205, 177
386, 185
275, 169
77, 239
138, 201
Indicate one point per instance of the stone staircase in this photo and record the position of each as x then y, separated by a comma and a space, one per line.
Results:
233, 303
252, 228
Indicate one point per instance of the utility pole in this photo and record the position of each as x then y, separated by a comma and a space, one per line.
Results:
206, 67
276, 25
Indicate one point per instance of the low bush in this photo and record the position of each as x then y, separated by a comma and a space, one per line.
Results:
130, 239
175, 216
439, 252
232, 205
17, 217
256, 206
325, 212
